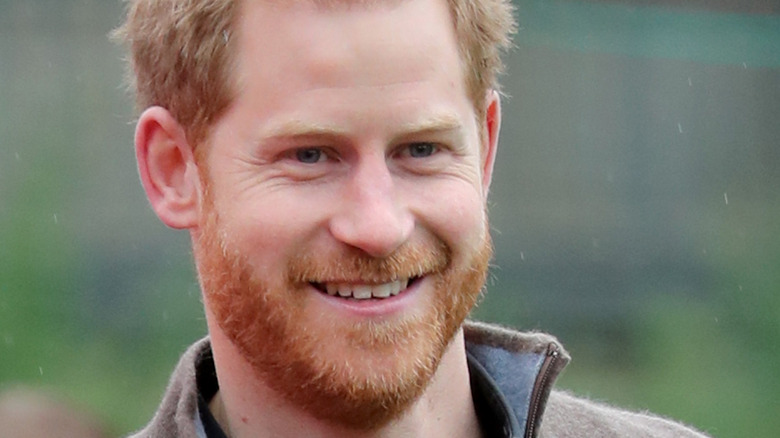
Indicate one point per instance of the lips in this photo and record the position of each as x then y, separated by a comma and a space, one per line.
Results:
364, 291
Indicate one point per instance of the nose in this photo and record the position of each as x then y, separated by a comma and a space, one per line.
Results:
371, 215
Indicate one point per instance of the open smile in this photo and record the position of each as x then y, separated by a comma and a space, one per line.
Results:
359, 291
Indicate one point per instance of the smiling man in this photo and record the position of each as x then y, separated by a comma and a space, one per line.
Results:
331, 160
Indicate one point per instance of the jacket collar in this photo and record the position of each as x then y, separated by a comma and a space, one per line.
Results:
518, 370
514, 370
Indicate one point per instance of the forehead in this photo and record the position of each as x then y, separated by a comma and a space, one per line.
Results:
332, 44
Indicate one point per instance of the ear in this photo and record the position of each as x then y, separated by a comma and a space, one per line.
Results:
168, 169
490, 129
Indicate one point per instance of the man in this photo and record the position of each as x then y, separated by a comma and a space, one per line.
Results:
331, 160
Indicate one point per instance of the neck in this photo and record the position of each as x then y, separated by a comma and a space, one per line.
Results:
246, 407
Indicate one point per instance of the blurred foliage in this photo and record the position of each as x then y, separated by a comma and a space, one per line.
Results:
634, 210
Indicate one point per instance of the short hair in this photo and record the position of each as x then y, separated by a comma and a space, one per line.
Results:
182, 54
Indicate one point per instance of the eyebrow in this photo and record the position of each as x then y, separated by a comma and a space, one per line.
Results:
435, 123
299, 128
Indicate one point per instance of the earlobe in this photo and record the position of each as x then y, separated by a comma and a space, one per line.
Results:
168, 169
491, 128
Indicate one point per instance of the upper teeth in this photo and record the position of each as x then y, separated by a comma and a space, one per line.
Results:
366, 291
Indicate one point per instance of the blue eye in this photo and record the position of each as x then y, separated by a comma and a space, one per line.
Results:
422, 150
309, 155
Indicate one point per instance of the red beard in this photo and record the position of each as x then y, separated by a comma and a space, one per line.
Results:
359, 375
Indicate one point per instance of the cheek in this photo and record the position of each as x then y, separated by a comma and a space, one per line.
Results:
457, 216
264, 237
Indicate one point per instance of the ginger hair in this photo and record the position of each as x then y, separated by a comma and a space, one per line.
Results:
182, 54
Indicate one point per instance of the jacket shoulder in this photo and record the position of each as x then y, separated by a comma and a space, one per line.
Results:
569, 416
177, 416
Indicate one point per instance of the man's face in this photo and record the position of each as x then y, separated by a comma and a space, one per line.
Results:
343, 238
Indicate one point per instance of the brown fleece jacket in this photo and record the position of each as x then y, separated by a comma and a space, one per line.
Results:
522, 366
567, 416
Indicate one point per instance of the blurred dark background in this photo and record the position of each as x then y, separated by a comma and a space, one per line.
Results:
634, 209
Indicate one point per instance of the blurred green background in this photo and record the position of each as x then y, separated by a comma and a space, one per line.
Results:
634, 209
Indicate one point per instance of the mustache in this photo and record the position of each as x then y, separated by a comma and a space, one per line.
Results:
411, 260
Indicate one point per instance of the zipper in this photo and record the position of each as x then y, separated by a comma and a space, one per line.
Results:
538, 391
